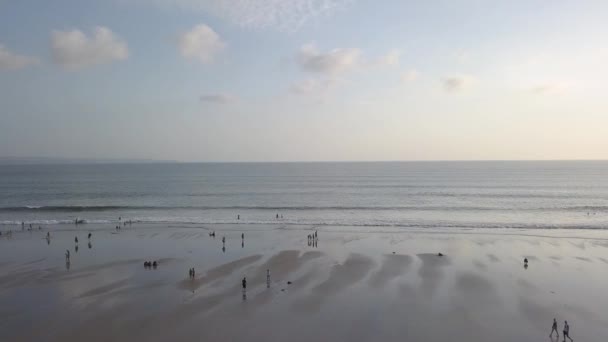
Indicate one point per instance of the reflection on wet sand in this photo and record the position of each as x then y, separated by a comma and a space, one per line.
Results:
342, 276
393, 266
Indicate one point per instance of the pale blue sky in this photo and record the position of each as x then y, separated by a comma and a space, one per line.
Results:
268, 80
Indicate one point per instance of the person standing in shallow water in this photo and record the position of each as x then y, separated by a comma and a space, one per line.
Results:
554, 328
567, 331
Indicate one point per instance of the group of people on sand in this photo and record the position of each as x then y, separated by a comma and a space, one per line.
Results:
148, 264
565, 331
192, 273
313, 239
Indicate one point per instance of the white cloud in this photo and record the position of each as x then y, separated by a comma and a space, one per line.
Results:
201, 43
390, 59
219, 98
12, 61
410, 75
551, 88
74, 49
331, 62
284, 15
340, 60
457, 83
311, 86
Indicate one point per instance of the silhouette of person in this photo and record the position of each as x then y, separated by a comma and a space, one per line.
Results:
76, 248
242, 236
90, 236
224, 249
76, 239
277, 216
268, 279
567, 331
244, 283
90, 245
238, 217
554, 328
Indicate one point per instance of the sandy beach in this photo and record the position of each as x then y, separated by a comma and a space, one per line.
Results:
357, 284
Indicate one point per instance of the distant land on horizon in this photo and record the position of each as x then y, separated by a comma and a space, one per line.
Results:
60, 161
51, 160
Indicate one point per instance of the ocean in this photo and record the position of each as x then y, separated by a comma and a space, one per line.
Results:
496, 194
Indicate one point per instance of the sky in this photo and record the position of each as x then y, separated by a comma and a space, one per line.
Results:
304, 80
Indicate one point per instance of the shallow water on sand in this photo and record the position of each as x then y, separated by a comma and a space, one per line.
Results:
358, 285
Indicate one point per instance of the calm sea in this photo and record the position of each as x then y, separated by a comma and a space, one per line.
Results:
396, 194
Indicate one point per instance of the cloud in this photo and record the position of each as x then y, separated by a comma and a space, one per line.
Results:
219, 98
74, 49
310, 86
201, 43
390, 59
410, 76
457, 83
340, 60
331, 62
284, 15
12, 61
551, 88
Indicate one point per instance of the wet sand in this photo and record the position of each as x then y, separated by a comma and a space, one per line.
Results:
355, 285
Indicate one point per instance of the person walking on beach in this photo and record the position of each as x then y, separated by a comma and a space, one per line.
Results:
244, 283
554, 328
566, 331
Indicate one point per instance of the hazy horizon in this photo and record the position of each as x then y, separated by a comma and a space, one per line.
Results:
303, 80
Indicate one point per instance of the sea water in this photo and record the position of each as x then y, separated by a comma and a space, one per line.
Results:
492, 194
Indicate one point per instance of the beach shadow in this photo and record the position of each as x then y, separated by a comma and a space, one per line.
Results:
342, 276
393, 266
493, 258
431, 272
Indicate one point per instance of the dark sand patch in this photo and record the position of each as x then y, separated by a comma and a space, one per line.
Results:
579, 245
431, 272
527, 286
281, 265
480, 265
218, 273
393, 265
475, 288
105, 288
33, 262
493, 258
342, 276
